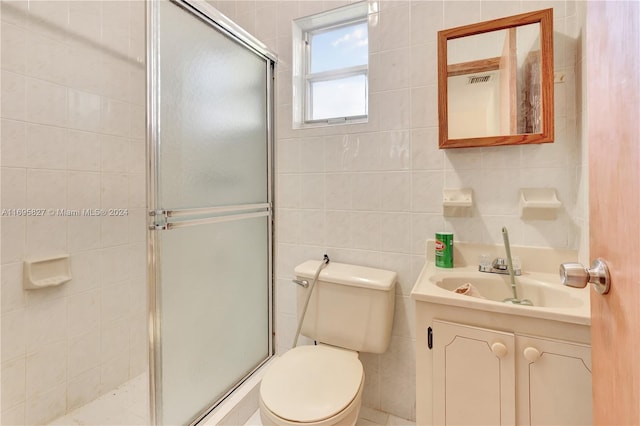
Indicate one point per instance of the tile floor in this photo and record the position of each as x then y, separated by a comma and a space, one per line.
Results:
368, 417
128, 405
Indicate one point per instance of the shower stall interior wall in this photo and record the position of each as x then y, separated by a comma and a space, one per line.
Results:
73, 141
72, 138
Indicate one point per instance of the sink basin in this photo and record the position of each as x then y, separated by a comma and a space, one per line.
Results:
550, 298
539, 288
540, 283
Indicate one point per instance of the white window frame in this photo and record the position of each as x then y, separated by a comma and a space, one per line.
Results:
303, 31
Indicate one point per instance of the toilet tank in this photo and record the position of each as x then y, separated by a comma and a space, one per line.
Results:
351, 306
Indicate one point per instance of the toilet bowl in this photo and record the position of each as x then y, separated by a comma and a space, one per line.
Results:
312, 385
350, 311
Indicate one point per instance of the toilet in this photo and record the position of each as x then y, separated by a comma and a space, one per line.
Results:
350, 311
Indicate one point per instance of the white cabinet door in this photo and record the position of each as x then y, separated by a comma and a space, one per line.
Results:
554, 382
473, 375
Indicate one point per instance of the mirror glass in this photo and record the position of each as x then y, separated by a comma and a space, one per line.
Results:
494, 83
498, 84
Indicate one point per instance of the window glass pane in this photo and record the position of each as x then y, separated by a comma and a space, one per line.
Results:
340, 48
344, 97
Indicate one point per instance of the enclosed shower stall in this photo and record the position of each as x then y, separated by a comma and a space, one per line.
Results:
161, 111
210, 198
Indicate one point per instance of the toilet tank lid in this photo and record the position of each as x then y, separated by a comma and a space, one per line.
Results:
352, 275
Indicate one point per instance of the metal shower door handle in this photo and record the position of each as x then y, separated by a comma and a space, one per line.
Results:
575, 275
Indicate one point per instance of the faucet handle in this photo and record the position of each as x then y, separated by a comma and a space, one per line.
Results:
500, 263
517, 264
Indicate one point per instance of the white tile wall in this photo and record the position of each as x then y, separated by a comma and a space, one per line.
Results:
72, 127
580, 153
72, 137
371, 194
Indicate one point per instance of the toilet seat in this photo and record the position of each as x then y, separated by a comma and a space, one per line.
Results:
309, 384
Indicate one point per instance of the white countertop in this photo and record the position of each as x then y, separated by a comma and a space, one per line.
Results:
556, 301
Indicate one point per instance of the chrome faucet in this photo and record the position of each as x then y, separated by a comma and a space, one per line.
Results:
501, 265
498, 266
505, 266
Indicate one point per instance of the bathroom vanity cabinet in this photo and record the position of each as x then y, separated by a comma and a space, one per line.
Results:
502, 370
553, 382
480, 361
473, 375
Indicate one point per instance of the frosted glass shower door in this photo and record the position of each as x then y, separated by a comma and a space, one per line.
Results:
211, 210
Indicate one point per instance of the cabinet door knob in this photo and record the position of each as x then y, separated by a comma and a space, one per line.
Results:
499, 349
531, 354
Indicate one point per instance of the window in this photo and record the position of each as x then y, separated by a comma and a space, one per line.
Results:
331, 61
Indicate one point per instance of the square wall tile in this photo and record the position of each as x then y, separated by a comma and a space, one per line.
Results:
394, 28
395, 150
12, 296
46, 189
14, 143
84, 312
13, 383
338, 229
115, 360
460, 13
46, 236
46, 147
13, 105
14, 42
83, 233
46, 103
46, 369
114, 372
395, 192
46, 323
13, 239
83, 150
14, 415
83, 389
44, 407
46, 58
14, 189
84, 353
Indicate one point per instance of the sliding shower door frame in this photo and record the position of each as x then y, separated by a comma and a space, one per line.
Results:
206, 13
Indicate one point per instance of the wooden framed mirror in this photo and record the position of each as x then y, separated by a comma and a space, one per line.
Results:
495, 82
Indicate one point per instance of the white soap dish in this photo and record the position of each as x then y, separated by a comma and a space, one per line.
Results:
457, 202
48, 272
457, 197
539, 203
